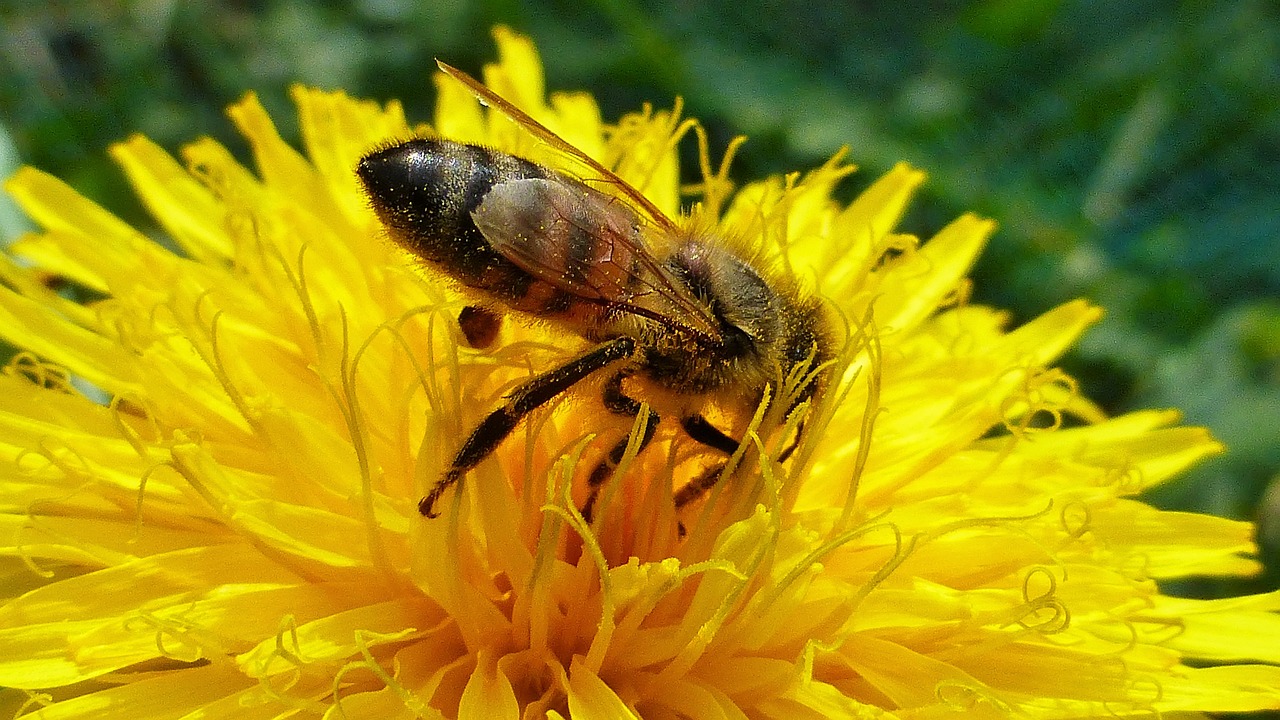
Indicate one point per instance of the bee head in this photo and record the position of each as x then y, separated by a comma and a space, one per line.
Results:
743, 304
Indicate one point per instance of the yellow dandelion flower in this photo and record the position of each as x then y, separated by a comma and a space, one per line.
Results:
234, 531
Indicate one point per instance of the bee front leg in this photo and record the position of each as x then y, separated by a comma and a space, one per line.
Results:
533, 394
615, 401
695, 489
795, 443
704, 432
698, 486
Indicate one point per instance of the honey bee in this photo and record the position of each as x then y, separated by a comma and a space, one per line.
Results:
665, 307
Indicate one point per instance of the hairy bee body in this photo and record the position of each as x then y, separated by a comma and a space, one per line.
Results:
434, 196
664, 306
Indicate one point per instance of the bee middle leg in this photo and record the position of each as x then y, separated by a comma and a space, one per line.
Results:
534, 393
617, 402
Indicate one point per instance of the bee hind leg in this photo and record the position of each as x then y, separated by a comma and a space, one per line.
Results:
534, 393
617, 402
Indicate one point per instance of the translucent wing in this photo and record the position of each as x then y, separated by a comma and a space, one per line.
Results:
497, 102
641, 285
588, 245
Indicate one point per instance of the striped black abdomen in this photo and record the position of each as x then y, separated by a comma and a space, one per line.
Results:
424, 191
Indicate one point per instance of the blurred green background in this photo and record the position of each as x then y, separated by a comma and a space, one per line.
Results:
1130, 151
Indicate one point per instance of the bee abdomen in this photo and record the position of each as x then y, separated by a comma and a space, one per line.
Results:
424, 191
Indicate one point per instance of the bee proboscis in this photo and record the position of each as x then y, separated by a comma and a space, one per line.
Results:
665, 306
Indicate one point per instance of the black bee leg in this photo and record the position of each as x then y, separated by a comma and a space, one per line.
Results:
795, 443
695, 489
698, 486
520, 402
704, 432
707, 434
616, 402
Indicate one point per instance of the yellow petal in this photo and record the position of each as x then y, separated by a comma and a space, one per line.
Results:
1226, 630
488, 693
185, 209
591, 697
158, 697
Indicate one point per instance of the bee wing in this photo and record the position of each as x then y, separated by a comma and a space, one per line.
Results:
489, 97
587, 244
